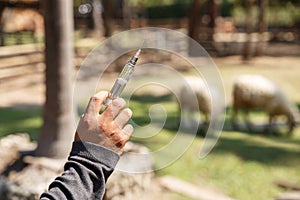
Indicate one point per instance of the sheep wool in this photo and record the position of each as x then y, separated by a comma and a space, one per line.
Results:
256, 91
195, 86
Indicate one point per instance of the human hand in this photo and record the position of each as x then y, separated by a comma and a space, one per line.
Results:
108, 129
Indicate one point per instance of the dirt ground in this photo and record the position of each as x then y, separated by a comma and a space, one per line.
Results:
28, 90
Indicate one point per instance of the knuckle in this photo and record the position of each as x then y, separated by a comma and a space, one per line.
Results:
125, 137
94, 98
86, 119
119, 102
128, 130
99, 96
105, 127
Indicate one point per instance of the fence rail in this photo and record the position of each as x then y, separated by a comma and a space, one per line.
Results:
17, 62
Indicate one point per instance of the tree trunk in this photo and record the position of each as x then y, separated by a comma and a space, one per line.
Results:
213, 14
262, 26
58, 128
247, 51
126, 14
194, 20
107, 15
193, 28
97, 18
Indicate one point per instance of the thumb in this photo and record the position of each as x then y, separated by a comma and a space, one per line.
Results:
96, 102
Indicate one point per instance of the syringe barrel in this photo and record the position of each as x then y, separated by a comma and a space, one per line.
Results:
123, 78
121, 82
127, 71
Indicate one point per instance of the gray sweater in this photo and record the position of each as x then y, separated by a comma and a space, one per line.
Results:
85, 173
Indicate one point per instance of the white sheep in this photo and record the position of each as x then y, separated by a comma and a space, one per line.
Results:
255, 91
195, 87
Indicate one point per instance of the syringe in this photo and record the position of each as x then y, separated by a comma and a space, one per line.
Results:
123, 78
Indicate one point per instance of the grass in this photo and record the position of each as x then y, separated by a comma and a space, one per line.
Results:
22, 37
243, 164
20, 121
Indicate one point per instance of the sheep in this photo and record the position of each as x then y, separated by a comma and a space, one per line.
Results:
192, 86
256, 91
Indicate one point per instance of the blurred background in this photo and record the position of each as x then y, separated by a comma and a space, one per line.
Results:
44, 43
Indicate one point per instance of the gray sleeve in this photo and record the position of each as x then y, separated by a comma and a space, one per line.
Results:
85, 173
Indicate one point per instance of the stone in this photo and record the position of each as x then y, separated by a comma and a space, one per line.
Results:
19, 169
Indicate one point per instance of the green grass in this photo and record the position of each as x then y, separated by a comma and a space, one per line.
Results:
20, 121
21, 38
242, 165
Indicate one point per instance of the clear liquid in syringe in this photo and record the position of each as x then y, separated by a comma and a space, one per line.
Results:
118, 87
123, 78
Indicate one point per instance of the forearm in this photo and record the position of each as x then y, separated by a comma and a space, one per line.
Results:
85, 173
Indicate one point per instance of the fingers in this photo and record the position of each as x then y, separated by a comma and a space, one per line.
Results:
121, 140
114, 108
123, 117
128, 130
96, 102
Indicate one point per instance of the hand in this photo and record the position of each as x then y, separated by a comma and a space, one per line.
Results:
109, 129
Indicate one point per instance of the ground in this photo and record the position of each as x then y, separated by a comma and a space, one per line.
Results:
28, 91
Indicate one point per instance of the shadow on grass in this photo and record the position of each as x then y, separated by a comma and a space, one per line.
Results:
143, 104
262, 128
249, 150
270, 150
24, 120
148, 98
172, 123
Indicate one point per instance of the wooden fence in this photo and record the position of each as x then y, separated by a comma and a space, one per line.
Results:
17, 62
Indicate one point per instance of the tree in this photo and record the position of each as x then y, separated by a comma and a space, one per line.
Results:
262, 26
97, 17
193, 28
212, 12
193, 31
58, 127
109, 6
249, 29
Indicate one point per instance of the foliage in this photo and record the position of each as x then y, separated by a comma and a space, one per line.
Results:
168, 11
280, 12
285, 15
